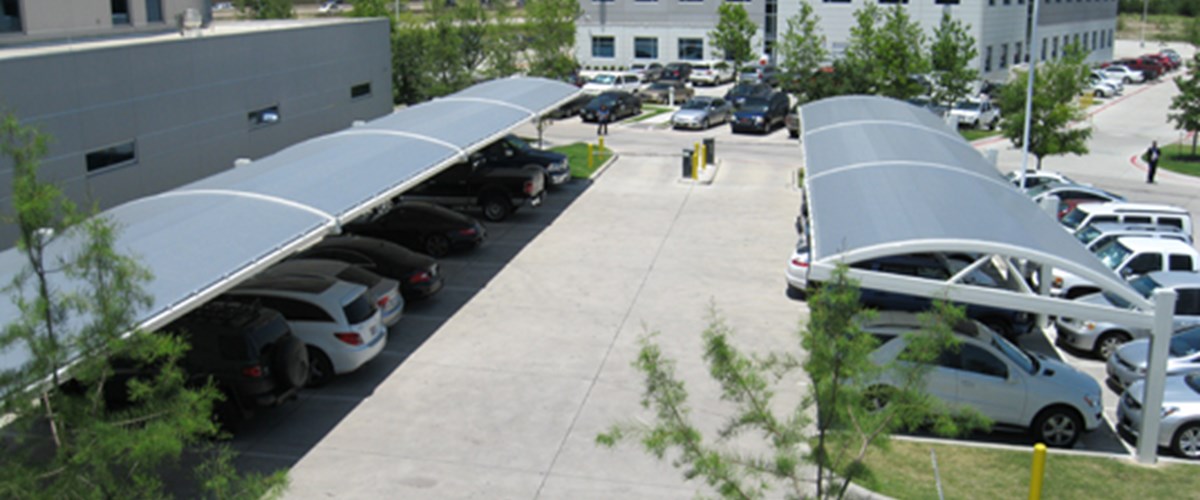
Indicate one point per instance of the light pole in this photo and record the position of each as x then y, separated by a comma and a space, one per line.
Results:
1035, 48
1145, 7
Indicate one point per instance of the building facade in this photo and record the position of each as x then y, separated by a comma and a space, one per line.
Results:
624, 32
135, 115
22, 21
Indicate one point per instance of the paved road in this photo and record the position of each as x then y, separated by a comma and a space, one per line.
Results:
497, 387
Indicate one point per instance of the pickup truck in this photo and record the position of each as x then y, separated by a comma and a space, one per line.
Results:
497, 191
513, 152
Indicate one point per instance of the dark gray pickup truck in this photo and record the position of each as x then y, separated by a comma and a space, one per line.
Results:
497, 191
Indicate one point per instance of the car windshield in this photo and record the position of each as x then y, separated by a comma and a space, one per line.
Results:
1193, 381
1088, 234
1074, 218
660, 86
1185, 343
1113, 254
755, 104
1015, 354
604, 79
1041, 188
604, 100
517, 142
743, 89
967, 105
695, 104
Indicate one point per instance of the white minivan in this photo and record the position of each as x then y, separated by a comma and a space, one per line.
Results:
1129, 213
605, 81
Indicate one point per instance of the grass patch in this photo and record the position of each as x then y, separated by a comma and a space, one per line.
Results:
577, 156
1179, 158
649, 111
1159, 27
972, 134
905, 471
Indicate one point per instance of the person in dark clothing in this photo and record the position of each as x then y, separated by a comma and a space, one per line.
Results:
602, 120
1152, 155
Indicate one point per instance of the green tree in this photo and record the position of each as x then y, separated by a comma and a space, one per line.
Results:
70, 441
266, 9
550, 28
951, 54
885, 51
853, 413
1186, 105
802, 50
503, 42
734, 33
473, 24
411, 60
1052, 129
445, 50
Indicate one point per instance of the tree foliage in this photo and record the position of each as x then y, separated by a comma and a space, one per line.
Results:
266, 9
77, 429
1053, 128
550, 29
734, 33
444, 52
951, 53
802, 50
885, 50
852, 414
1186, 105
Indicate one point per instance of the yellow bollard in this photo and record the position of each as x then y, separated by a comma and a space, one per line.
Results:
591, 157
696, 161
703, 156
601, 148
1039, 470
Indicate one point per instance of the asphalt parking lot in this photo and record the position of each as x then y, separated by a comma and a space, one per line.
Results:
497, 387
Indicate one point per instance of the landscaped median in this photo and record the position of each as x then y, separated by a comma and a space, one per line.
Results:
906, 471
1179, 158
577, 155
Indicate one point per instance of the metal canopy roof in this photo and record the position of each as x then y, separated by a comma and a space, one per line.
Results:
203, 238
884, 177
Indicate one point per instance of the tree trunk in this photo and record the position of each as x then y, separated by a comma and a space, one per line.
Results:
1194, 134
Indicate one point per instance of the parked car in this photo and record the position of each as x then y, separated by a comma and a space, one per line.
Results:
497, 191
976, 113
331, 6
765, 74
1179, 428
1162, 60
927, 103
1096, 235
792, 122
571, 107
1052, 400
418, 274
422, 227
1102, 338
1126, 74
648, 72
1035, 178
511, 151
679, 71
1071, 195
383, 292
664, 91
760, 114
1109, 78
744, 90
797, 269
247, 350
605, 82
1100, 88
1128, 364
1140, 213
701, 113
335, 319
620, 104
711, 73
1130, 256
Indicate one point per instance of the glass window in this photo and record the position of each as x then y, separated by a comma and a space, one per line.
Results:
1003, 55
1054, 48
120, 154
987, 59
977, 360
120, 11
645, 48
154, 11
296, 310
265, 116
358, 310
10, 16
1144, 263
1180, 262
603, 46
691, 49
1017, 53
1043, 49
1113, 254
360, 90
1188, 302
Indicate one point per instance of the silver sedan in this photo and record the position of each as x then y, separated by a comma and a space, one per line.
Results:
701, 113
1128, 364
1180, 428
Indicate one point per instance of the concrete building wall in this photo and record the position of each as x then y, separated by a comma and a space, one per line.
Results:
185, 103
48, 19
666, 20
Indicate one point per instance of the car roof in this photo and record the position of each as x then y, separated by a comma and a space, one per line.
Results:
314, 288
1175, 279
321, 267
1148, 244
1128, 207
1113, 227
910, 320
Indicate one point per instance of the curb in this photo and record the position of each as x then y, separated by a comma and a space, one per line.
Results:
604, 167
707, 175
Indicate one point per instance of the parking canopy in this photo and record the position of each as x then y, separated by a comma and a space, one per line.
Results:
205, 237
884, 177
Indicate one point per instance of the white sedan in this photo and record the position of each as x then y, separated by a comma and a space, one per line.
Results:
1125, 74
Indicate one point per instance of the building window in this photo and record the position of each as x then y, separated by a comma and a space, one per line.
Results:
1044, 49
265, 116
1075, 39
945, 2
893, 1
987, 59
1054, 48
120, 11
836, 1
992, 3
1007, 2
360, 90
604, 46
1109, 42
10, 16
645, 48
1017, 53
691, 49
1095, 40
154, 11
1003, 55
112, 156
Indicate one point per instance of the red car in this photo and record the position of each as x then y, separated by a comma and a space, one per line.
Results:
1163, 61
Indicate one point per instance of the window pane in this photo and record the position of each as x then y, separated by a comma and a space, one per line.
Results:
120, 11
645, 48
360, 90
691, 49
603, 46
10, 16
111, 156
154, 11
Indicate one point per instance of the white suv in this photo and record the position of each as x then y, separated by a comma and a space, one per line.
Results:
711, 73
1055, 402
335, 319
976, 113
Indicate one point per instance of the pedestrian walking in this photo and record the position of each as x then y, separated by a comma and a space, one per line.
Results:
602, 120
1152, 155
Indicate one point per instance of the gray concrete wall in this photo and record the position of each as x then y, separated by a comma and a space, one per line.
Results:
184, 101
48, 19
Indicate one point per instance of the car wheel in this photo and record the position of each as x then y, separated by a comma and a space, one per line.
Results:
704, 124
228, 412
496, 208
1058, 427
320, 368
993, 123
1108, 344
1098, 93
1186, 442
794, 134
292, 362
1127, 80
976, 124
437, 245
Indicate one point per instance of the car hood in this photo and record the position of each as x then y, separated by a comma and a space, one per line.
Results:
691, 113
1134, 352
743, 113
543, 157
1176, 391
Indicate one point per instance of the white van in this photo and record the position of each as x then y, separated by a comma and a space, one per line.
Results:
713, 72
607, 80
1130, 256
1128, 213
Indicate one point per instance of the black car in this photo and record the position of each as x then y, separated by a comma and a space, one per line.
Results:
571, 107
513, 152
620, 104
677, 71
418, 274
759, 114
422, 227
743, 90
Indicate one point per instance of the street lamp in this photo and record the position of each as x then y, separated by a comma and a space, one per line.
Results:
1035, 51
